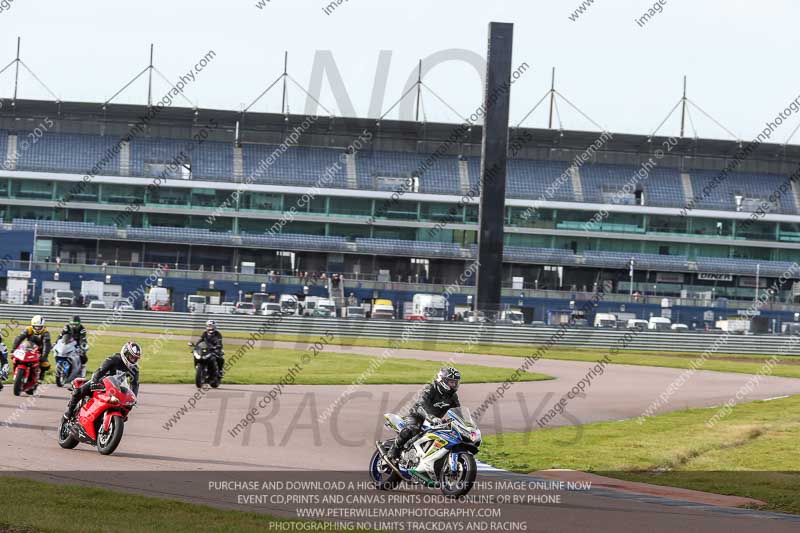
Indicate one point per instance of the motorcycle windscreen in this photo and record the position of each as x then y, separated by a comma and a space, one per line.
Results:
120, 381
463, 416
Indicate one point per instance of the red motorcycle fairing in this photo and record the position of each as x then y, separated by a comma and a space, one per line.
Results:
106, 403
29, 363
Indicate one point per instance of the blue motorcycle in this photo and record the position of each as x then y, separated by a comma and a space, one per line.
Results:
441, 456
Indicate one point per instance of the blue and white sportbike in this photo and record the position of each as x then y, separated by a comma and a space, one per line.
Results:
68, 361
440, 456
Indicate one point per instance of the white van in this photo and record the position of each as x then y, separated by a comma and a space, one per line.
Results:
271, 309
679, 327
659, 323
637, 324
605, 320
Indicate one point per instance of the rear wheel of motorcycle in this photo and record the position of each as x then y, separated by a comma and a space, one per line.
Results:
65, 437
459, 483
108, 442
382, 474
19, 381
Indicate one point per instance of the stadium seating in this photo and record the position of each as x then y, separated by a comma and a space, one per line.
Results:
748, 186
299, 166
68, 153
440, 178
304, 166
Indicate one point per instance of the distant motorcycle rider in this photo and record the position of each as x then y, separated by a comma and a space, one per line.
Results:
38, 335
125, 361
3, 362
213, 339
432, 404
77, 332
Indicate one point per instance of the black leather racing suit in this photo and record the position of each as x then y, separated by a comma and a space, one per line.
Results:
213, 339
78, 334
110, 366
432, 402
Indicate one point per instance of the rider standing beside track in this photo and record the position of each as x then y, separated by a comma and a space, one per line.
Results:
432, 404
124, 361
38, 335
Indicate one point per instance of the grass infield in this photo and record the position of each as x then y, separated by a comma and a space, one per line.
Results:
788, 366
751, 452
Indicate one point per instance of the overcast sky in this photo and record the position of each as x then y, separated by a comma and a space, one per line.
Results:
739, 56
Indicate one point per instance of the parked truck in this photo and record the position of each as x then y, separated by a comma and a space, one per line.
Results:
428, 307
49, 289
158, 299
382, 308
196, 303
91, 291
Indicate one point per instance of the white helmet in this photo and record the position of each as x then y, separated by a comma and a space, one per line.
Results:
37, 323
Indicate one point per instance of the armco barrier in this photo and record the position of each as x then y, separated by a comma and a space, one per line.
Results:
429, 332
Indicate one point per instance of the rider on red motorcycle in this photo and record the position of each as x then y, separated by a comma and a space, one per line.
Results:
37, 334
124, 361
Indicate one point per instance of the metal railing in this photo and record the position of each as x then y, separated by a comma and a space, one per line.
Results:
430, 333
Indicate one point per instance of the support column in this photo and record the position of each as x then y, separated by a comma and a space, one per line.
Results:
494, 154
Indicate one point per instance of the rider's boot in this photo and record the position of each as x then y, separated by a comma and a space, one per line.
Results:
393, 453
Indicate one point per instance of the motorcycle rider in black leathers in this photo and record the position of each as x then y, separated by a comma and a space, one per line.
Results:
77, 332
213, 339
432, 404
38, 335
3, 362
125, 361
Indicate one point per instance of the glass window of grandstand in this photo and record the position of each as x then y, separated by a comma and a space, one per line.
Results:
4, 188
219, 224
710, 227
169, 196
33, 189
167, 221
301, 228
574, 220
667, 224
349, 231
471, 213
29, 212
465, 237
752, 252
120, 194
439, 212
210, 198
264, 201
77, 191
403, 234
789, 232
121, 219
529, 217
528, 241
748, 229
359, 207
398, 210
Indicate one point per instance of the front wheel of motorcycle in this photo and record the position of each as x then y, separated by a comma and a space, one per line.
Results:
458, 483
107, 441
65, 437
59, 377
19, 381
383, 475
199, 374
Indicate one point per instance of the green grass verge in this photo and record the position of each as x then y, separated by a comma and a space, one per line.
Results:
751, 452
170, 361
719, 362
74, 509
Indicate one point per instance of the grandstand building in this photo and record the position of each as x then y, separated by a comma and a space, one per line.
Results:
394, 203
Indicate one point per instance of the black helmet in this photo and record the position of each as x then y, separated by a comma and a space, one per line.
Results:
131, 353
448, 380
76, 320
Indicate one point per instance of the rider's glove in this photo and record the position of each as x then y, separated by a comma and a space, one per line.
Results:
436, 421
4, 372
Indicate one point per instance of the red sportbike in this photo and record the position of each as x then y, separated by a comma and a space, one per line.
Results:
26, 369
101, 417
